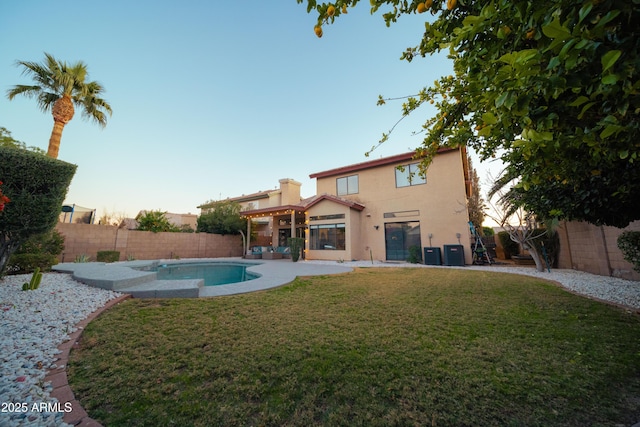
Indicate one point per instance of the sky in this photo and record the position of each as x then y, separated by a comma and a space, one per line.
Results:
214, 99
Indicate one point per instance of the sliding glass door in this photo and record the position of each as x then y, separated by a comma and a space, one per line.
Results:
399, 237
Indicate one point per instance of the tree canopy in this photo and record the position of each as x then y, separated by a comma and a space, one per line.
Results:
155, 221
6, 140
222, 218
549, 87
58, 86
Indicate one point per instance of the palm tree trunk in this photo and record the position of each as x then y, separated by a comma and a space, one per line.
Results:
62, 112
54, 140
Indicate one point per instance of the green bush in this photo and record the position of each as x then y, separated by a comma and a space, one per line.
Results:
510, 247
36, 186
488, 231
27, 263
629, 245
38, 251
296, 244
156, 222
108, 256
414, 254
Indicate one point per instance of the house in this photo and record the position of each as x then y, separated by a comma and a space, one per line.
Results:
287, 194
378, 209
186, 221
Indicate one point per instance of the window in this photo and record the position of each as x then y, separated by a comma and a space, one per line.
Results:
347, 185
325, 217
327, 237
407, 175
401, 214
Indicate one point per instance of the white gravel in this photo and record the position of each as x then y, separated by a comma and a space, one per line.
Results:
34, 323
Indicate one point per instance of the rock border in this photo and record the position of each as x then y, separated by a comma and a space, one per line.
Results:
58, 376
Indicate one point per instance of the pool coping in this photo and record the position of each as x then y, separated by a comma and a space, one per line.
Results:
126, 276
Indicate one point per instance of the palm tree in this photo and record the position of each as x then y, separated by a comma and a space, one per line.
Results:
58, 87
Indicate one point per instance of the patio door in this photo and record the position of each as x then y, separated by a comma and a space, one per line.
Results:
399, 237
285, 233
283, 236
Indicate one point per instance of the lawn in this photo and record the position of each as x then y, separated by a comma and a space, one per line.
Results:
376, 347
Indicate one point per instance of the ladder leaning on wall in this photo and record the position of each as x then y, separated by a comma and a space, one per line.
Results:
480, 253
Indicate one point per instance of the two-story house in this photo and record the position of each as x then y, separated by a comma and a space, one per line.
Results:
379, 209
288, 193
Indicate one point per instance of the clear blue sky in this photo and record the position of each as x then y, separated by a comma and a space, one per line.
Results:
213, 99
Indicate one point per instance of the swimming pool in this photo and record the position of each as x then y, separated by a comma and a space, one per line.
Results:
213, 273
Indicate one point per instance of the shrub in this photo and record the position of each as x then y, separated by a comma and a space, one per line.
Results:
414, 254
38, 251
108, 256
629, 245
27, 263
296, 244
510, 247
488, 231
82, 258
36, 186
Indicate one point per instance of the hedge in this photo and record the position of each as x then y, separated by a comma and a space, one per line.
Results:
36, 186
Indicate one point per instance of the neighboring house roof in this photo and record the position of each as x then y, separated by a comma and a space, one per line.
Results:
304, 205
128, 223
244, 198
372, 164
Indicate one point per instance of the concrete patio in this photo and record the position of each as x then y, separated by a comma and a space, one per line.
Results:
126, 277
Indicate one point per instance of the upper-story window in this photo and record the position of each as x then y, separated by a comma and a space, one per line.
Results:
347, 185
408, 175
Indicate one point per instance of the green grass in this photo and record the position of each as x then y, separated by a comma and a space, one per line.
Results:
375, 347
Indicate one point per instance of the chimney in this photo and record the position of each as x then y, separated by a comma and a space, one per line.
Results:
290, 191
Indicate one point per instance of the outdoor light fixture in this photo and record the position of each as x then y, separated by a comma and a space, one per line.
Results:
376, 226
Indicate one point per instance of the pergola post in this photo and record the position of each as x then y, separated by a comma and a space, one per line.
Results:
246, 250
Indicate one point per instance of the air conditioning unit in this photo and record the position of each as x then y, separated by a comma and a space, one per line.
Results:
454, 255
432, 256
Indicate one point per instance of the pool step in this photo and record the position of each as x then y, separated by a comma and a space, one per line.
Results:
188, 288
118, 277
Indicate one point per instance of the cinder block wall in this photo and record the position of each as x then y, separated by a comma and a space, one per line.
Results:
88, 239
594, 249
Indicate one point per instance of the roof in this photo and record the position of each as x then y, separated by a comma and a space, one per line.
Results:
372, 164
303, 206
346, 202
244, 198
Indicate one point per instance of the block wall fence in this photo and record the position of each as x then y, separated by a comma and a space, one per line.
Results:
594, 249
88, 239
583, 246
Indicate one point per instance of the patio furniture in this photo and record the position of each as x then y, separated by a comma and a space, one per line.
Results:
284, 250
256, 253
271, 254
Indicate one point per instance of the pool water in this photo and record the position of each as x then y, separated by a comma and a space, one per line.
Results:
214, 274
